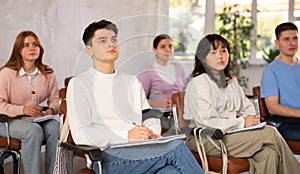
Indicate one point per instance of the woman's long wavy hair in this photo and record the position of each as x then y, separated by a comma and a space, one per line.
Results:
205, 45
15, 61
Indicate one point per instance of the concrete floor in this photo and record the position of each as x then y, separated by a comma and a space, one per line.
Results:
78, 164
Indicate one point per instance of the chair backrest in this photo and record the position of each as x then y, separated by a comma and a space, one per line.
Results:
235, 165
177, 98
294, 145
63, 111
262, 105
63, 103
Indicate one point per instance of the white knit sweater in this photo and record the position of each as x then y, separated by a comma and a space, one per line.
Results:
102, 108
211, 106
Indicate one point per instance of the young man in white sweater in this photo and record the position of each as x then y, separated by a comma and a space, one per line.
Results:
105, 107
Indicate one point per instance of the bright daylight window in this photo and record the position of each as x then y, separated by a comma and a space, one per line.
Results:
270, 14
186, 26
191, 14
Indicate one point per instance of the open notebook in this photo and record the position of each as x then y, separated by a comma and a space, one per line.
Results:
258, 126
164, 139
39, 118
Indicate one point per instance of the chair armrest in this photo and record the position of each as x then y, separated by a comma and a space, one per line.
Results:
45, 108
282, 119
94, 153
215, 134
3, 118
211, 132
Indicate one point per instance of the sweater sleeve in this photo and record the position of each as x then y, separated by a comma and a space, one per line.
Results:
145, 79
183, 76
12, 110
53, 93
152, 123
269, 83
80, 109
246, 105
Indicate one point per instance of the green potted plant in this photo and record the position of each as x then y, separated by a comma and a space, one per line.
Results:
236, 27
270, 54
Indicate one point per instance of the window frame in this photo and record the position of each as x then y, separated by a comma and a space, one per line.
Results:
209, 26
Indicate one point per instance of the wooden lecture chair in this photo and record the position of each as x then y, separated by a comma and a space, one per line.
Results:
234, 165
264, 113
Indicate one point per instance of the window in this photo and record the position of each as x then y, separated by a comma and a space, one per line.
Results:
186, 27
191, 13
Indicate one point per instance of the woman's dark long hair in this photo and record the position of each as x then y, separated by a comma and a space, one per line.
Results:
204, 47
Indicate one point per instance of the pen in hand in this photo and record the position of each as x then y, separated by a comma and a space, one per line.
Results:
139, 133
152, 125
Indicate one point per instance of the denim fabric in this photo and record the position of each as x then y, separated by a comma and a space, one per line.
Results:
289, 131
170, 158
32, 136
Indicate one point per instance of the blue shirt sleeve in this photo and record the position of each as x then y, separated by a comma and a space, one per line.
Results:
268, 85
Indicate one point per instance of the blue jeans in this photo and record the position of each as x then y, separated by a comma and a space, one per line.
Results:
171, 158
32, 135
289, 131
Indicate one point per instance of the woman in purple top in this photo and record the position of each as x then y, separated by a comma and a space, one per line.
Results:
163, 78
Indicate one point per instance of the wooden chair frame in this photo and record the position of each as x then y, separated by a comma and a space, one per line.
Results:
93, 153
9, 144
264, 113
234, 165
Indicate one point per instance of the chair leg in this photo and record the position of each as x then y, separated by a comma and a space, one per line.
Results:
17, 161
100, 167
224, 157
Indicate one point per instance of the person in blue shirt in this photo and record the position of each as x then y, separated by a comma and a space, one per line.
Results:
280, 84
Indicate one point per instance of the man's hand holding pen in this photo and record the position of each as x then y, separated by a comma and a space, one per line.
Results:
139, 133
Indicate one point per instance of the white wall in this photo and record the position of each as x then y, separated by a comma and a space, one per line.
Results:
60, 24
254, 73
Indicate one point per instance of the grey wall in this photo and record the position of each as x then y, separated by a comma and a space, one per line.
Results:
60, 24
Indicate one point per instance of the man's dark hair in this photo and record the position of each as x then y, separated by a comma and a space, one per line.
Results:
90, 30
284, 27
